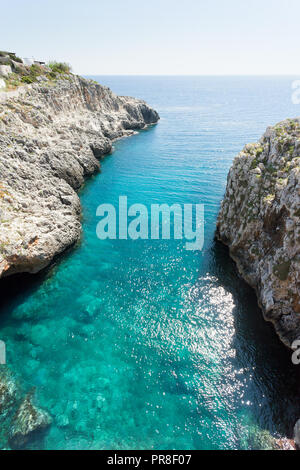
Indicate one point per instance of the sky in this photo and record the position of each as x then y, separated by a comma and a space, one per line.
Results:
157, 37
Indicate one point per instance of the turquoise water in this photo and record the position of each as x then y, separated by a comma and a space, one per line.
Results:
142, 344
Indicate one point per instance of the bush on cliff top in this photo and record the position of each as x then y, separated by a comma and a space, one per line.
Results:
59, 67
28, 79
25, 74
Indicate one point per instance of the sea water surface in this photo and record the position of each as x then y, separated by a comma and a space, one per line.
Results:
143, 344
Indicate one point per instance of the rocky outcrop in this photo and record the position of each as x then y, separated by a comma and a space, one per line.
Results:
28, 421
21, 421
52, 135
259, 220
8, 392
5, 70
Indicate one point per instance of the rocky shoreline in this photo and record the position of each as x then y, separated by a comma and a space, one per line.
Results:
259, 221
52, 136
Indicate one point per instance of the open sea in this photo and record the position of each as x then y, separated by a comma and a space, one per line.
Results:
143, 344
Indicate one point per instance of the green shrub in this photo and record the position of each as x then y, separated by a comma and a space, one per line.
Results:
52, 75
59, 67
36, 69
28, 79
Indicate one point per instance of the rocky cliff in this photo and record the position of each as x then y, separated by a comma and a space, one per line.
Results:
52, 135
260, 222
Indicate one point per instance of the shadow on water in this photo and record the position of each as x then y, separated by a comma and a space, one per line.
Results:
15, 289
257, 346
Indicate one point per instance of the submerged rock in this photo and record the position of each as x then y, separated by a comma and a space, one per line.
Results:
20, 419
259, 220
52, 135
28, 420
8, 392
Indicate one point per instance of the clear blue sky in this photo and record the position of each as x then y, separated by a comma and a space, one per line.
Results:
158, 36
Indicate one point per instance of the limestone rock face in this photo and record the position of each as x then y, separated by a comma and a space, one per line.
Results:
28, 420
52, 136
259, 220
5, 70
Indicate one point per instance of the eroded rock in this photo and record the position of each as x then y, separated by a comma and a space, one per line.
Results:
8, 392
52, 136
28, 421
259, 220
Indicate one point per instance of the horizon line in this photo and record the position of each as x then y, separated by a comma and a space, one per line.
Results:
187, 75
